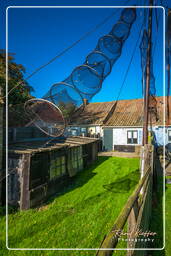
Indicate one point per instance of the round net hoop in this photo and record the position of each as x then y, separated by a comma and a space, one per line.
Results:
46, 116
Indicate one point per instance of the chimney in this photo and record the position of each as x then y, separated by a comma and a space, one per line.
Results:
85, 102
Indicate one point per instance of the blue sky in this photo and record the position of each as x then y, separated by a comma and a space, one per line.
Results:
38, 34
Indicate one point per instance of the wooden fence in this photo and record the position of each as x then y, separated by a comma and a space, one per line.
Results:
1, 144
135, 215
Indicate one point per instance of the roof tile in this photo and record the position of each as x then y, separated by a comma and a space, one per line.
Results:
122, 113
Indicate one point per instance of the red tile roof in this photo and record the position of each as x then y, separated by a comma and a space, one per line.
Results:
94, 113
122, 113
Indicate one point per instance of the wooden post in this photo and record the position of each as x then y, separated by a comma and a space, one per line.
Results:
168, 62
25, 193
1, 128
147, 85
1, 144
132, 223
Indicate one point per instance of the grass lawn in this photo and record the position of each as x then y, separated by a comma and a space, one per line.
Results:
157, 219
80, 215
168, 220
167, 250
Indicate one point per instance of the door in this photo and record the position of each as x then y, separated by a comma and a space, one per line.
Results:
108, 139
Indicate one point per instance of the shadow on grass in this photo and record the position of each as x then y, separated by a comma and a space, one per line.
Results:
58, 214
72, 183
79, 179
124, 184
61, 213
156, 224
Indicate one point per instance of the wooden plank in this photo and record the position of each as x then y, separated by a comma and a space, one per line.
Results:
25, 195
132, 223
125, 148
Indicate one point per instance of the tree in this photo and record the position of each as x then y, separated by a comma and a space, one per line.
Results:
15, 76
20, 93
67, 109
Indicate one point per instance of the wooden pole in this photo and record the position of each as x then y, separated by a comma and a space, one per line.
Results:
1, 144
147, 85
168, 63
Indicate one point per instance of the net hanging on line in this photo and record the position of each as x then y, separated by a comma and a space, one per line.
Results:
168, 48
168, 37
152, 89
168, 61
65, 99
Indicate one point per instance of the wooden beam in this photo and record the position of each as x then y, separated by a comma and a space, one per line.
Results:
25, 182
147, 85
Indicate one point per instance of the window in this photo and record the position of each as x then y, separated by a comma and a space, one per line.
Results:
57, 165
75, 160
169, 135
83, 129
74, 132
132, 137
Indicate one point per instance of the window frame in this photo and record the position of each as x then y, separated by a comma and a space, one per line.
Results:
57, 166
132, 142
169, 131
74, 132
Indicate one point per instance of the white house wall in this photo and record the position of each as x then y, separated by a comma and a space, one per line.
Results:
120, 136
76, 130
120, 133
95, 130
161, 134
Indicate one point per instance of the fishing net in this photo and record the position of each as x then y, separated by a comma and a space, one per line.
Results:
46, 116
67, 97
168, 61
152, 89
168, 37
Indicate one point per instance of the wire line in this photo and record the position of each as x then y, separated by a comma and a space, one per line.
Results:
66, 49
130, 62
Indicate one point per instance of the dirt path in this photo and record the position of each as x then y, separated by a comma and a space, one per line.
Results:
119, 154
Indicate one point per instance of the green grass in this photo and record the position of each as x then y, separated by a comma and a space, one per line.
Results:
157, 217
158, 225
80, 215
168, 220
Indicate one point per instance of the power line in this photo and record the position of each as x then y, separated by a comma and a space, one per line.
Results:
130, 62
67, 49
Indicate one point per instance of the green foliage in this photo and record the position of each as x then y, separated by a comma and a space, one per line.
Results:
15, 75
168, 220
67, 109
80, 215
